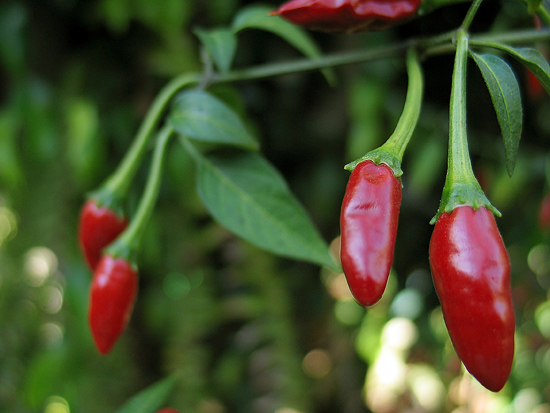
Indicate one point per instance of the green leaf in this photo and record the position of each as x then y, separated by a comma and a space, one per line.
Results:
150, 399
505, 94
202, 117
248, 196
258, 17
220, 45
530, 57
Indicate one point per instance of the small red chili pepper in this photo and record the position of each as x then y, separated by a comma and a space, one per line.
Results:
471, 274
99, 226
348, 16
168, 410
112, 296
368, 223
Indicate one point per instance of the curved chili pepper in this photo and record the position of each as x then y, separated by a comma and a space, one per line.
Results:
368, 223
348, 16
112, 296
471, 274
99, 226
168, 410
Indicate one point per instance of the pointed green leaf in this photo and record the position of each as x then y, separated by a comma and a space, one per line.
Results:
535, 62
150, 399
203, 117
258, 17
530, 57
505, 94
248, 196
220, 45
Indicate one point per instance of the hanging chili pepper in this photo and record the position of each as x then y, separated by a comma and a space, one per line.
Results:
469, 263
370, 209
99, 226
368, 223
471, 273
115, 280
112, 296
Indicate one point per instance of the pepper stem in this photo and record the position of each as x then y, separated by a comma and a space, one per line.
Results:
128, 242
461, 186
392, 151
470, 15
114, 189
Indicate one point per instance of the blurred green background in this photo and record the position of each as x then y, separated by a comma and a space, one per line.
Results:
242, 330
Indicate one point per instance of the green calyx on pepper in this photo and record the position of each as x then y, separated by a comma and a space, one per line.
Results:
461, 186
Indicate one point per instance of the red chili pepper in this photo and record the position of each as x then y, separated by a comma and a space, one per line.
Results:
168, 410
99, 226
349, 16
368, 223
112, 296
471, 273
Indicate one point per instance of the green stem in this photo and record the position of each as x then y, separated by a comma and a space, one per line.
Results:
461, 186
392, 151
127, 244
460, 167
305, 65
470, 15
520, 37
397, 143
439, 44
119, 182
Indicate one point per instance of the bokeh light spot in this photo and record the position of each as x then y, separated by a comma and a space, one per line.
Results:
176, 286
52, 333
8, 224
40, 263
399, 333
53, 299
317, 363
542, 318
56, 404
348, 312
408, 303
538, 260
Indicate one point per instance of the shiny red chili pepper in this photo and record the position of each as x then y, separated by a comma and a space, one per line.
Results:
168, 410
471, 274
112, 296
368, 223
99, 226
349, 16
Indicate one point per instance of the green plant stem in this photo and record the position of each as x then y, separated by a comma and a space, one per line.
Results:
460, 167
470, 15
398, 141
392, 151
520, 37
439, 44
461, 186
127, 244
119, 182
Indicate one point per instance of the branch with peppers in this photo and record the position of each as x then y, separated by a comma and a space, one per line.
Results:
468, 259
